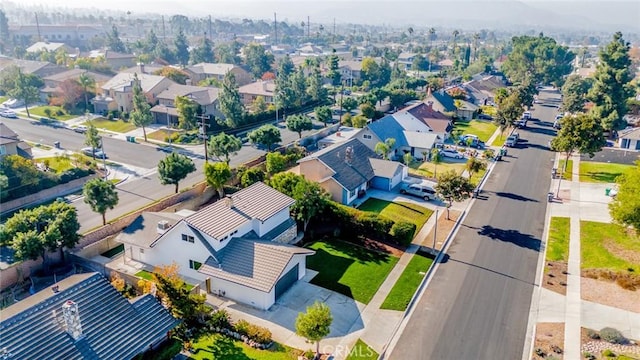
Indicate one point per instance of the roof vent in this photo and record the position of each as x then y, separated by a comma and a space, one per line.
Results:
163, 226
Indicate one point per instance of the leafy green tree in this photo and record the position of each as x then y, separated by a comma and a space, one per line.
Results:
315, 90
29, 245
334, 72
509, 110
359, 121
419, 63
175, 168
251, 176
349, 104
114, 42
384, 148
580, 132
466, 57
187, 112
230, 103
407, 158
163, 52
259, 105
224, 145
298, 84
574, 93
371, 71
267, 135
150, 42
182, 47
92, 138
285, 182
228, 53
87, 82
141, 115
203, 53
217, 174
21, 86
315, 324
299, 123
475, 165
310, 199
101, 195
257, 59
453, 187
323, 114
612, 87
625, 207
276, 162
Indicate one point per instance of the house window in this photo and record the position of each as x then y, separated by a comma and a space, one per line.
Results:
352, 193
3, 150
625, 143
366, 136
194, 265
187, 238
141, 251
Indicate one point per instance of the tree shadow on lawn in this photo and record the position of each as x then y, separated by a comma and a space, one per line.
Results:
512, 236
222, 348
330, 269
369, 252
603, 176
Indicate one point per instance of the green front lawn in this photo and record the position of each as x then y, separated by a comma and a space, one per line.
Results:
483, 129
39, 111
161, 135
597, 172
428, 169
558, 244
608, 246
219, 347
362, 351
119, 126
147, 275
350, 269
3, 99
59, 164
407, 284
398, 211
568, 174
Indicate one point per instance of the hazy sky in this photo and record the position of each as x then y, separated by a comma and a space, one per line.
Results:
625, 13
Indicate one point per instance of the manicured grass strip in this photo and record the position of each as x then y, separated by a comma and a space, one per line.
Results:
597, 172
161, 134
483, 129
498, 141
568, 173
598, 241
558, 244
217, 346
112, 125
362, 351
407, 284
349, 269
59, 164
398, 211
428, 169
39, 111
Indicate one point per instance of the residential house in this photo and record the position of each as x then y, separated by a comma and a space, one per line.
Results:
83, 317
347, 170
52, 82
445, 64
405, 60
142, 68
202, 71
237, 247
167, 113
629, 138
73, 35
49, 47
482, 91
309, 50
466, 110
115, 60
249, 93
39, 68
117, 93
410, 135
350, 71
439, 123
343, 134
10, 143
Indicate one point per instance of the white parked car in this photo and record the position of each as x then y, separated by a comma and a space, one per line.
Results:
98, 153
9, 114
451, 154
81, 129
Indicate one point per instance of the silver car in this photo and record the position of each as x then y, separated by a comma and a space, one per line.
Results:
421, 191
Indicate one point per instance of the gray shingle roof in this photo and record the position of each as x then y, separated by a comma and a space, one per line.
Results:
7, 136
201, 95
211, 68
113, 327
632, 134
125, 80
255, 264
348, 173
385, 168
258, 201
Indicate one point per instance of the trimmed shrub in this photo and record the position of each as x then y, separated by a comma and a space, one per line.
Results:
259, 334
612, 335
242, 327
251, 176
403, 232
592, 334
608, 353
276, 162
220, 318
354, 223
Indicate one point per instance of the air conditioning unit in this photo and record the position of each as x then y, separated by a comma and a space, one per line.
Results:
163, 226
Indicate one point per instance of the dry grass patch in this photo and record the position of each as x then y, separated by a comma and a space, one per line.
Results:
610, 294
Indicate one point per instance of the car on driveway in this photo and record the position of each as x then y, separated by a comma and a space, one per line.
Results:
484, 117
422, 191
451, 154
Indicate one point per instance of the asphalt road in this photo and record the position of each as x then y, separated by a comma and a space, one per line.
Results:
477, 304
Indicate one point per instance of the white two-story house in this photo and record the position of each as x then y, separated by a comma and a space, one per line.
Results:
236, 247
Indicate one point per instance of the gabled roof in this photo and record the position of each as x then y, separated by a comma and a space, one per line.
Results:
28, 66
351, 167
258, 201
264, 88
7, 136
200, 94
439, 125
466, 105
46, 46
123, 81
255, 264
443, 99
113, 327
423, 111
75, 74
386, 168
353, 65
211, 68
632, 133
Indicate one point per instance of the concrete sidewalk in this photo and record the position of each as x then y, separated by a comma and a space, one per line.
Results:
578, 201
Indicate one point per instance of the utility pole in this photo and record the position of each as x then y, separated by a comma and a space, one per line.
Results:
203, 133
164, 31
308, 28
210, 39
38, 27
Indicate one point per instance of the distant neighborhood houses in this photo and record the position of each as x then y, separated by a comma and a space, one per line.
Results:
10, 143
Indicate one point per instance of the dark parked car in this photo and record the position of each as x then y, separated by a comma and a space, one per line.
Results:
484, 117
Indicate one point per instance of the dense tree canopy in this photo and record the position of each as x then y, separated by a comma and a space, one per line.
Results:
230, 104
101, 195
539, 58
625, 207
175, 168
267, 135
299, 123
257, 59
141, 115
216, 175
315, 324
611, 87
579, 132
223, 145
574, 93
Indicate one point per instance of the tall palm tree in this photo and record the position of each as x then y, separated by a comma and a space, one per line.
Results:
86, 81
476, 37
410, 31
455, 39
432, 35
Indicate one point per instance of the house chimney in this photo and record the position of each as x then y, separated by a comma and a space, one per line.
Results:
187, 82
430, 105
428, 92
71, 317
229, 202
141, 67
